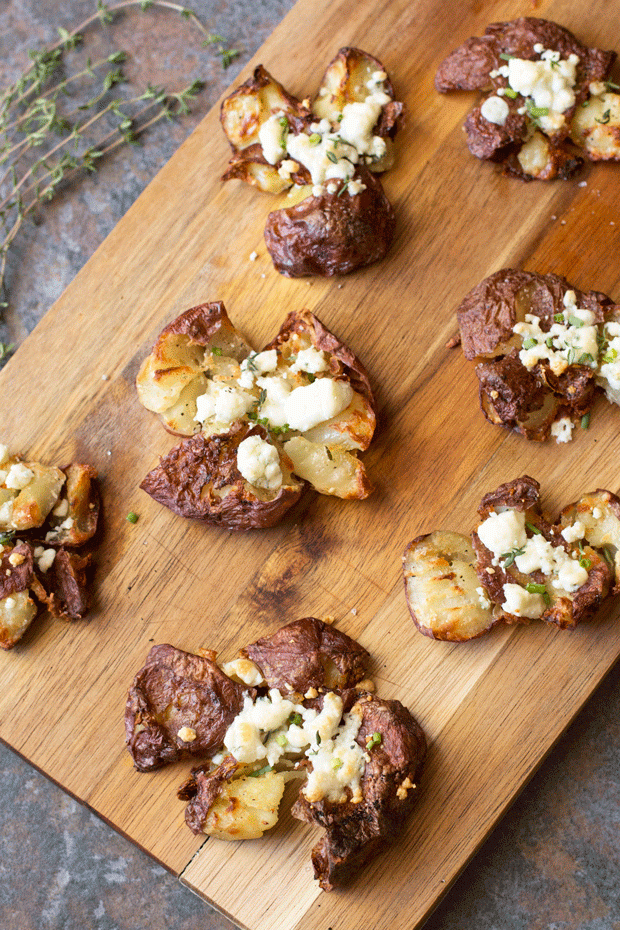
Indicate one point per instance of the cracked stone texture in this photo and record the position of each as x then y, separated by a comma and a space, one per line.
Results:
553, 863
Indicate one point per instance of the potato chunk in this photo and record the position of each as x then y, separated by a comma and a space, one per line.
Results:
444, 595
596, 127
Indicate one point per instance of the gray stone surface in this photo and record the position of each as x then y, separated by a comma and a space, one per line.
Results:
554, 861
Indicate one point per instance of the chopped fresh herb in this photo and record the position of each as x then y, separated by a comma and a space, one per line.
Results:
132, 517
508, 557
374, 740
295, 719
608, 358
318, 739
608, 557
505, 56
281, 739
585, 563
609, 85
575, 321
329, 454
216, 350
558, 317
585, 359
605, 118
536, 112
585, 421
284, 124
311, 378
533, 529
263, 771
529, 343
332, 157
340, 117
536, 588
509, 92
570, 356
337, 763
6, 538
262, 397
549, 342
314, 139
343, 188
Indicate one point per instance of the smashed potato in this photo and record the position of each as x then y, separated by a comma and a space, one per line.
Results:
55, 512
544, 351
294, 705
547, 104
339, 218
521, 566
259, 425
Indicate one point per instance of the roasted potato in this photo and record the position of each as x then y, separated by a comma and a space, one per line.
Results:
356, 830
527, 567
570, 336
331, 234
28, 491
339, 218
301, 407
445, 597
17, 608
362, 756
308, 653
179, 705
517, 123
598, 513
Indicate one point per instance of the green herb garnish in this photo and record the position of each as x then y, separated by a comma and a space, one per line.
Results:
608, 557
284, 124
585, 421
549, 342
533, 529
508, 558
536, 112
311, 378
558, 317
529, 343
337, 763
585, 563
609, 85
281, 740
585, 359
505, 56
215, 350
570, 356
332, 157
132, 517
575, 321
314, 139
374, 740
509, 92
605, 118
610, 357
329, 454
318, 739
536, 588
259, 772
6, 538
295, 719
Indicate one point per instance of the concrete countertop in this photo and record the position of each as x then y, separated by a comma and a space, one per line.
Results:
553, 863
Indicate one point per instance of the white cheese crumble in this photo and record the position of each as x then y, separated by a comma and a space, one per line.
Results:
9, 603
502, 532
253, 256
222, 403
541, 555
548, 83
310, 360
6, 513
62, 508
18, 477
273, 726
574, 532
609, 372
271, 136
483, 600
306, 406
571, 340
495, 110
521, 603
45, 559
562, 429
259, 463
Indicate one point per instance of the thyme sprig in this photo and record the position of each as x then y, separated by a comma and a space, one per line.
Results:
44, 143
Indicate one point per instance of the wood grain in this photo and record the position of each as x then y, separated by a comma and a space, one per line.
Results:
492, 708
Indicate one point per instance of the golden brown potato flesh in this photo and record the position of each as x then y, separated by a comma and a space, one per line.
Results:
247, 108
599, 515
444, 594
596, 127
246, 807
328, 469
28, 491
17, 611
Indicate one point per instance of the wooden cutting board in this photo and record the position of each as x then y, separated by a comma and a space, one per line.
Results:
491, 708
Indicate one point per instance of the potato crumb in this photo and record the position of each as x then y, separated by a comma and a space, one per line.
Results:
187, 734
253, 256
311, 693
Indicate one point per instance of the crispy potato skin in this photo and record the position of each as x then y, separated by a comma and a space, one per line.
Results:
602, 532
177, 689
468, 68
330, 235
354, 833
308, 654
199, 479
527, 402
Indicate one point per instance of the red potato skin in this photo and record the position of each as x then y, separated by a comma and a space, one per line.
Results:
308, 653
187, 479
211, 701
330, 235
